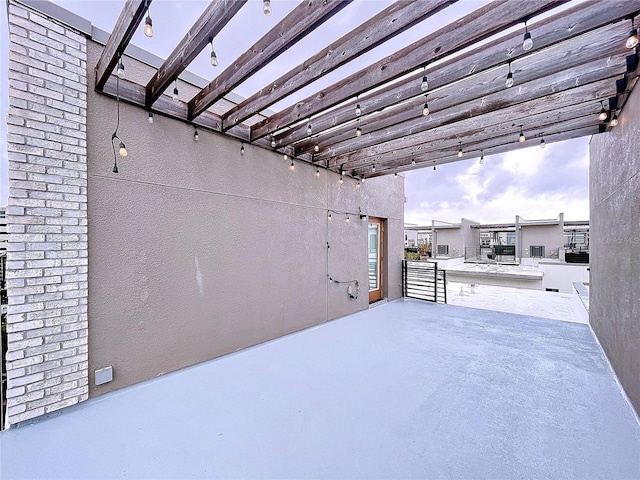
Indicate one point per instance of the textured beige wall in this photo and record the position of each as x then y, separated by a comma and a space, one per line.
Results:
196, 251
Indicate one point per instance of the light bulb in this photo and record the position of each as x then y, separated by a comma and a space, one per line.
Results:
632, 40
214, 59
527, 43
542, 143
286, 157
176, 99
614, 120
316, 148
358, 184
317, 172
120, 69
309, 130
148, 26
273, 143
292, 167
358, 131
330, 217
603, 115
481, 158
348, 219
373, 168
434, 167
241, 149
424, 85
395, 174
341, 181
522, 137
425, 110
509, 82
150, 117
266, 7
196, 137
123, 150
459, 150
413, 161
362, 178
358, 110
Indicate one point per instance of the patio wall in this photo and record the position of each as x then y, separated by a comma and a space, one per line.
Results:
614, 184
194, 250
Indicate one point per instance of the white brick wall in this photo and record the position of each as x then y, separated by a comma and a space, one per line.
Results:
47, 359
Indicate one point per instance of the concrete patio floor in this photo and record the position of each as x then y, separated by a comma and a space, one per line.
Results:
408, 389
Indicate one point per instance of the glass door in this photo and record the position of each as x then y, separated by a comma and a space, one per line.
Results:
375, 259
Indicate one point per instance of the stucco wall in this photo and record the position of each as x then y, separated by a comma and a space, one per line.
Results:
197, 251
551, 236
614, 184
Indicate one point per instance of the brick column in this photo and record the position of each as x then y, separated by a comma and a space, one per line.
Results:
47, 359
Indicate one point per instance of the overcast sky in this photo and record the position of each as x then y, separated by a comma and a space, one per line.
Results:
532, 183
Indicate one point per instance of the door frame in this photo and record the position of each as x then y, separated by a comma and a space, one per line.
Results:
375, 295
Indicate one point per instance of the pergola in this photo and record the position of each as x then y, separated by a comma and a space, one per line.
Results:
571, 82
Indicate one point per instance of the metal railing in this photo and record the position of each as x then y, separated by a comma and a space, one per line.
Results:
424, 281
493, 254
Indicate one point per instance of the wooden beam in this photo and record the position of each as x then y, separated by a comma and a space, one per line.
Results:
125, 27
392, 21
454, 37
590, 77
495, 150
514, 115
583, 18
570, 60
303, 20
210, 23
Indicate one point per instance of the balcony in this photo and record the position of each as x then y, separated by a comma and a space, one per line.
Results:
408, 389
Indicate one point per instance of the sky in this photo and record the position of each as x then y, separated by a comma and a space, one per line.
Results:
533, 183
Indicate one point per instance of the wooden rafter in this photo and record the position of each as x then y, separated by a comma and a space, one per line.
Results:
125, 27
303, 20
392, 21
210, 23
549, 32
454, 37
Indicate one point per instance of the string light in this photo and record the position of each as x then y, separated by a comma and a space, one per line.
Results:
286, 157
522, 137
395, 173
242, 149
425, 110
120, 67
358, 184
358, 110
434, 165
632, 39
363, 178
373, 168
509, 82
292, 167
273, 142
614, 120
424, 85
122, 150
481, 156
150, 117
214, 57
317, 172
148, 23
348, 219
413, 161
358, 130
316, 148
266, 7
329, 217
460, 153
176, 98
542, 142
602, 116
527, 42
196, 137
309, 129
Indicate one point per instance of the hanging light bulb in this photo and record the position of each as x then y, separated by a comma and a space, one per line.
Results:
317, 172
330, 217
292, 167
481, 157
425, 110
424, 85
341, 181
373, 168
542, 142
413, 161
150, 117
522, 137
632, 39
358, 184
196, 137
286, 157
434, 166
358, 129
266, 7
273, 142
614, 120
358, 110
123, 150
602, 116
316, 148
309, 130
120, 67
148, 25
348, 219
362, 178
214, 57
175, 97
509, 82
527, 42
395, 174
242, 149
460, 153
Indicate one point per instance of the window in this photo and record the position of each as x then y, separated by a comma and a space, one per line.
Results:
443, 249
536, 251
